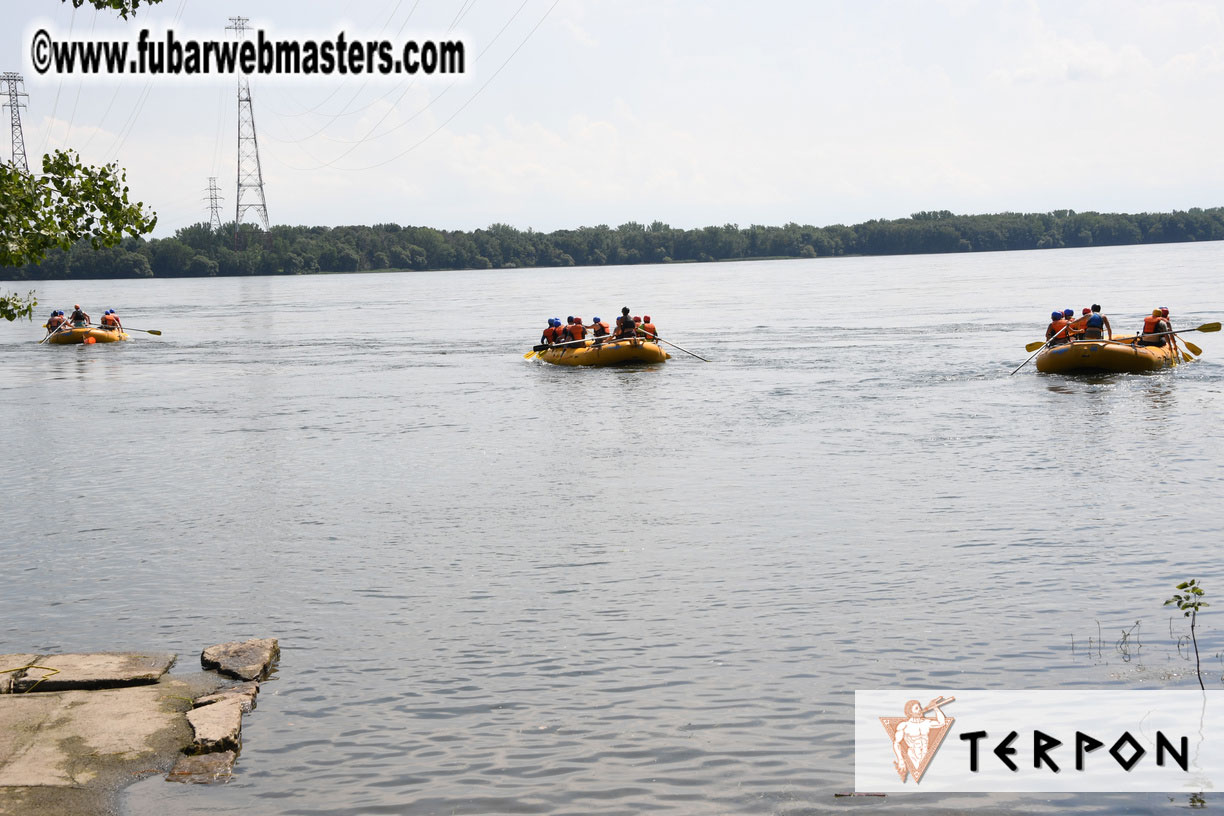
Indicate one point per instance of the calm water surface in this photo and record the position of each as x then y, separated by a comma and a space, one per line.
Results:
506, 587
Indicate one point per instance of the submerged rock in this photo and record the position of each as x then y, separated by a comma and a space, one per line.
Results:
246, 660
203, 768
244, 693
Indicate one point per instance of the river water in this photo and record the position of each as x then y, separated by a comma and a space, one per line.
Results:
507, 587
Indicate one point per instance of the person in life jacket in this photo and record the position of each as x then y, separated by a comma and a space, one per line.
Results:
55, 321
599, 330
78, 317
553, 333
647, 329
624, 324
1056, 332
575, 332
1077, 325
110, 320
1096, 324
1154, 326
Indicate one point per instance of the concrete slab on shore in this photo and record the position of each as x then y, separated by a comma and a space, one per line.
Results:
12, 665
69, 752
104, 670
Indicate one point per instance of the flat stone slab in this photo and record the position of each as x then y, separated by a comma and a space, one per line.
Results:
246, 660
218, 727
76, 738
244, 693
102, 670
12, 665
203, 768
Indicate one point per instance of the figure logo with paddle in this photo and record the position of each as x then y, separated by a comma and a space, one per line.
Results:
916, 737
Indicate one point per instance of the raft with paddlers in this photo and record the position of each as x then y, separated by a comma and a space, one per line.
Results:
78, 329
574, 343
609, 353
86, 335
1121, 355
1088, 345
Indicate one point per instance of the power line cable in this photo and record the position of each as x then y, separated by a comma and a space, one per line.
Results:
80, 85
132, 119
59, 87
369, 137
345, 110
464, 106
433, 100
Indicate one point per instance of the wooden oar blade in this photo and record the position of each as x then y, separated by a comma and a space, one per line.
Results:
1209, 327
1033, 346
154, 331
1193, 348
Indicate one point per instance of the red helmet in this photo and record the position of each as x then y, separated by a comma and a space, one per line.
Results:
1086, 311
1164, 311
647, 318
637, 319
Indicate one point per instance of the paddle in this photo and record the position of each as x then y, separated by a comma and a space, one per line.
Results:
659, 339
146, 331
58, 329
1206, 327
1039, 348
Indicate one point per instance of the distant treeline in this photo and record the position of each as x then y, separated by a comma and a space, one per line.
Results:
198, 251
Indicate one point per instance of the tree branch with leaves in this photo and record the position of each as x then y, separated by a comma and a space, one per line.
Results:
68, 202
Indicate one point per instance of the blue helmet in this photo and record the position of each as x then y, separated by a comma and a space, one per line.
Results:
1068, 313
596, 319
1056, 315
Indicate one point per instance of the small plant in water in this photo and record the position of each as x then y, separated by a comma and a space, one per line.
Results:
1190, 603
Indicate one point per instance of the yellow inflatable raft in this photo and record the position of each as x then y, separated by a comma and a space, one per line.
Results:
610, 353
69, 337
1121, 355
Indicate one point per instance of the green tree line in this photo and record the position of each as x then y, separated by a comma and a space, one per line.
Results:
198, 251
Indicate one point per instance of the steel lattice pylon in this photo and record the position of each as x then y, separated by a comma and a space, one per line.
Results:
250, 194
15, 105
214, 204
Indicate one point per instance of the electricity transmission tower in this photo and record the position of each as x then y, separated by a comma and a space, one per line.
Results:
15, 105
214, 204
250, 177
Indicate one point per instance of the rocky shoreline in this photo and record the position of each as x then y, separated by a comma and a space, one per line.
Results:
77, 728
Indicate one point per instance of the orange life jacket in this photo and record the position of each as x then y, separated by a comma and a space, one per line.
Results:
1151, 325
601, 328
649, 327
1054, 328
1079, 324
109, 320
577, 331
550, 334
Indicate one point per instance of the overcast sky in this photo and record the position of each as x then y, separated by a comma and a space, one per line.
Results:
693, 112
